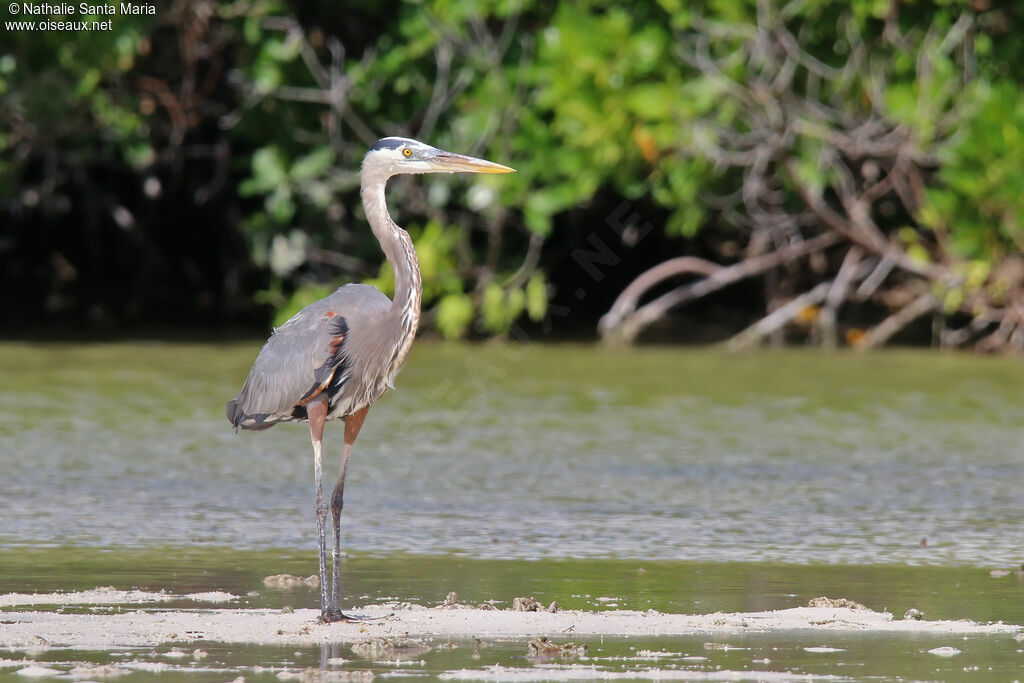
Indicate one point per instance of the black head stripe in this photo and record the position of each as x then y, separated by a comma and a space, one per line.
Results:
388, 143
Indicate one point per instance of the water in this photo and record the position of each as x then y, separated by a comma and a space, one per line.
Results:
852, 659
677, 480
533, 452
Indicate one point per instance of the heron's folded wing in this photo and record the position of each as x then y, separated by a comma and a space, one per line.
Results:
297, 360
304, 355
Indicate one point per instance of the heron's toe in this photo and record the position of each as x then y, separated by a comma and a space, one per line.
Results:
329, 616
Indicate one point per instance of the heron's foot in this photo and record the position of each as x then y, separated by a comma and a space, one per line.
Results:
331, 615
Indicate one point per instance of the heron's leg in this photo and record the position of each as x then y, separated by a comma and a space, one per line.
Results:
353, 423
316, 411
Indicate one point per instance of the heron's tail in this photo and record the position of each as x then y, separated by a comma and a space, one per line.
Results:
235, 413
238, 418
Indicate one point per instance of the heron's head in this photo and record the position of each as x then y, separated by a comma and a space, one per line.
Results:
395, 155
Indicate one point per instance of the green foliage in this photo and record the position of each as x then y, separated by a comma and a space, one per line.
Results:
582, 98
606, 101
979, 200
282, 182
536, 297
500, 308
55, 91
454, 314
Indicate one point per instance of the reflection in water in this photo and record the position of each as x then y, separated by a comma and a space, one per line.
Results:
754, 657
533, 451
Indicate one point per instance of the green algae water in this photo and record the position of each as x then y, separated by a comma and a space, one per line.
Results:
533, 452
676, 480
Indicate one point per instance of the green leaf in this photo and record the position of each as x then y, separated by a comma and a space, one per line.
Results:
267, 75
268, 172
918, 254
536, 221
251, 30
313, 165
280, 204
953, 299
140, 155
515, 302
536, 297
454, 314
283, 50
88, 82
497, 310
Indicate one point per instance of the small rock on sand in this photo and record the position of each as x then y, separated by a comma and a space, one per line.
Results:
532, 604
529, 604
451, 601
835, 602
290, 581
542, 648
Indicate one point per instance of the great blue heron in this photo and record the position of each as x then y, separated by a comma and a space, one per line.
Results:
337, 356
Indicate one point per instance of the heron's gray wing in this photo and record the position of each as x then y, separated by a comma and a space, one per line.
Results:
303, 358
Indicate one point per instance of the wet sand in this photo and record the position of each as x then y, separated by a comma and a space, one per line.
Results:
106, 618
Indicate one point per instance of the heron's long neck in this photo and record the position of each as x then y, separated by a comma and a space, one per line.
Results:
399, 251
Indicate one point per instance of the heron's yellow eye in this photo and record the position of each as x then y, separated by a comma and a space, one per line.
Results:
407, 152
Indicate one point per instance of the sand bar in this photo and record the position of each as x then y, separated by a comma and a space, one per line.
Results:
106, 595
149, 626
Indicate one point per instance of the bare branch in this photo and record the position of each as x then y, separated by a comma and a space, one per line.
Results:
885, 330
836, 296
529, 264
874, 281
624, 321
777, 319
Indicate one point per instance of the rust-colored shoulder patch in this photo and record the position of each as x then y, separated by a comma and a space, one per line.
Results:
328, 372
339, 331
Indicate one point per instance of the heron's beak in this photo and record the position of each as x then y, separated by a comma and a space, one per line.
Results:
446, 162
